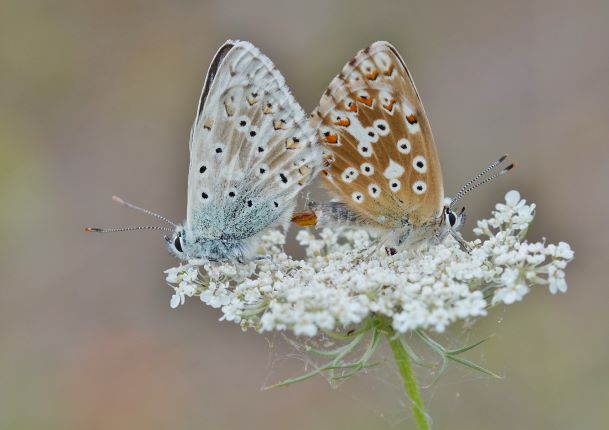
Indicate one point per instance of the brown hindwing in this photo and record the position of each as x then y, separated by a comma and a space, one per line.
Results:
380, 155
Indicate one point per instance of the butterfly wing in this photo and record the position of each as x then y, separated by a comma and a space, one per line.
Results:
251, 148
380, 154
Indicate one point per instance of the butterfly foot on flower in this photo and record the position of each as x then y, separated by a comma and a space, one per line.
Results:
463, 244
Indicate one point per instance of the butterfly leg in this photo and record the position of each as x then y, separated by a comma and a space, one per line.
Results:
380, 244
465, 247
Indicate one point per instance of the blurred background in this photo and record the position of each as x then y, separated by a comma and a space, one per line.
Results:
97, 98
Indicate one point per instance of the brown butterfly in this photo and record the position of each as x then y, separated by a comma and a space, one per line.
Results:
380, 158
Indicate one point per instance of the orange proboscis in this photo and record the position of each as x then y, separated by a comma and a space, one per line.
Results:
305, 218
343, 122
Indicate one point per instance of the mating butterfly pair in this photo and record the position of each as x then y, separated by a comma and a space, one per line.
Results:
252, 149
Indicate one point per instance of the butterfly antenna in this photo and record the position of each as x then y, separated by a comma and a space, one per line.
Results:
469, 187
146, 211
487, 169
114, 230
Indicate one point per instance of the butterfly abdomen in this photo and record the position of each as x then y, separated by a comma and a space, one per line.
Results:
328, 214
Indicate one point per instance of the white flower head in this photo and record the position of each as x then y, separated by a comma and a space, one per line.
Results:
338, 287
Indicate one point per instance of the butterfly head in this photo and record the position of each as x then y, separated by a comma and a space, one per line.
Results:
186, 244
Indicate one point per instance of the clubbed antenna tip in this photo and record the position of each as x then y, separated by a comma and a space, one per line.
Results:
510, 167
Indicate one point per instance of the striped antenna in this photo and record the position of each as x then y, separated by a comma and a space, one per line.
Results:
114, 230
146, 211
468, 185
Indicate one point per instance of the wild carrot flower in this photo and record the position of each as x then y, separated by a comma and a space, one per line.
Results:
339, 285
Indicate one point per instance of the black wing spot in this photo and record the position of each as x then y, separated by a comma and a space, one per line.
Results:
276, 204
242, 123
249, 203
202, 169
420, 164
252, 133
262, 170
218, 150
260, 149
284, 178
231, 194
204, 195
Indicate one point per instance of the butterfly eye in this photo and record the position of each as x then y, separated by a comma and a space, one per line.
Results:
451, 218
178, 244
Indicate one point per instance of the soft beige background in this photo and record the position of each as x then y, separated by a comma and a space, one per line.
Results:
97, 98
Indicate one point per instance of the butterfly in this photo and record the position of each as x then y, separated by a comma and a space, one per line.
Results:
251, 152
380, 159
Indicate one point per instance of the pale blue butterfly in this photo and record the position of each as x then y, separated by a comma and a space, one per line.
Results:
251, 152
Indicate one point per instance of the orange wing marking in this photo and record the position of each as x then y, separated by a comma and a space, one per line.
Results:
365, 100
389, 105
331, 137
343, 122
372, 76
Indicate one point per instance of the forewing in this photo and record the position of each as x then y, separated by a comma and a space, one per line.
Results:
251, 149
380, 154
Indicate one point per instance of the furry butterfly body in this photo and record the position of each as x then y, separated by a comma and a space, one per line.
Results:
381, 161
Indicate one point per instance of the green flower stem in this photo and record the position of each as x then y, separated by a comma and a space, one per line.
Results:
410, 382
